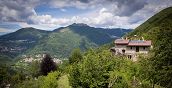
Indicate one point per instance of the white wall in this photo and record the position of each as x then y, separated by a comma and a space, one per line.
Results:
119, 48
141, 50
133, 50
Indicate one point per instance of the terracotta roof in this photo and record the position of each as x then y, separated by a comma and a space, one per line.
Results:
139, 43
133, 42
121, 41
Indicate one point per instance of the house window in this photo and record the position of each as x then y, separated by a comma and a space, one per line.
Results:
129, 56
144, 47
123, 51
137, 48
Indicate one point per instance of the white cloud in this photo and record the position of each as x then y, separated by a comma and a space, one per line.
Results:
48, 20
81, 4
104, 13
38, 26
5, 30
104, 18
16, 10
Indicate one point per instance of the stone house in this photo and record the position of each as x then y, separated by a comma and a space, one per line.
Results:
131, 48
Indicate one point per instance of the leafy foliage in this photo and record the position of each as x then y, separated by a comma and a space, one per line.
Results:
9, 76
4, 76
162, 56
49, 81
101, 69
63, 82
75, 57
4, 59
34, 69
157, 68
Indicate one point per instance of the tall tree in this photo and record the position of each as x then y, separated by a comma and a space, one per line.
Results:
47, 65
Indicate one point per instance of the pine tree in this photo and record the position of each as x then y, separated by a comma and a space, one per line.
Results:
47, 65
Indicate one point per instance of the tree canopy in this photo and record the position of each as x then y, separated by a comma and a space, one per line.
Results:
161, 61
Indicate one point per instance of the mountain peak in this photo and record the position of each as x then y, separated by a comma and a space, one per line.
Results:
78, 24
26, 28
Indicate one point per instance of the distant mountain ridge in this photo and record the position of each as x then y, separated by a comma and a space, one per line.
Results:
58, 42
63, 40
28, 33
92, 33
12, 44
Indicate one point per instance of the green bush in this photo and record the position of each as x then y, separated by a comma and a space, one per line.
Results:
49, 81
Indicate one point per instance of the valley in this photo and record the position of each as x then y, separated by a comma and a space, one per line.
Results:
86, 44
59, 42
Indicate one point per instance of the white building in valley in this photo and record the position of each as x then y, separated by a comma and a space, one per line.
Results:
131, 48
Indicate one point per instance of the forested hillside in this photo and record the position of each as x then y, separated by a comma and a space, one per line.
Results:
63, 40
59, 42
152, 25
158, 29
15, 43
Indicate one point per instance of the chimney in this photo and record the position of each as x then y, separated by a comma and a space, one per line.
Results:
126, 38
143, 39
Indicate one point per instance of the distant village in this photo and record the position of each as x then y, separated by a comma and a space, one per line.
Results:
38, 57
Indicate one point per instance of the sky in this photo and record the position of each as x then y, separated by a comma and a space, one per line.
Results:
51, 14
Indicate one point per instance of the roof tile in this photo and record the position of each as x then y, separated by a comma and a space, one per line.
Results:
133, 42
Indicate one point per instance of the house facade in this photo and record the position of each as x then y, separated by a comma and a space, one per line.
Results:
131, 48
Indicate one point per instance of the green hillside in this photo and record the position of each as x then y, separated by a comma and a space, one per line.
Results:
5, 59
59, 42
63, 40
15, 43
148, 28
25, 34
